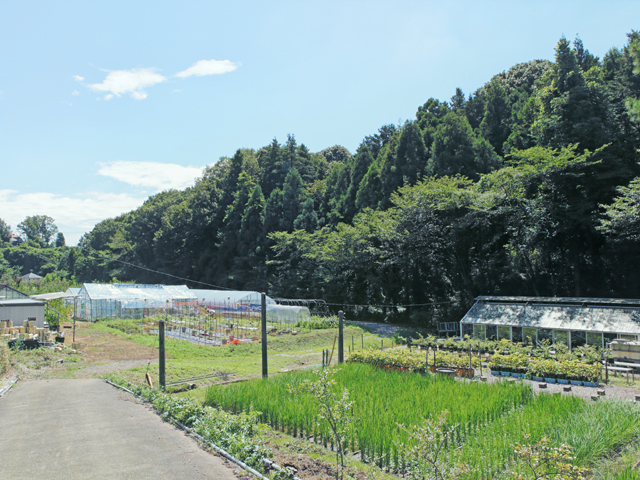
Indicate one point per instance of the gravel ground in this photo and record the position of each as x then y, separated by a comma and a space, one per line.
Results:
383, 329
611, 391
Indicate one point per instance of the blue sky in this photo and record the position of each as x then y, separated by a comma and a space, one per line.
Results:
105, 103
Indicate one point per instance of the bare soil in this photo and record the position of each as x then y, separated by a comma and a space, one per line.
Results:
103, 353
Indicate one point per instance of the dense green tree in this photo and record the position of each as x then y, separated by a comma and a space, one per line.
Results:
368, 195
495, 123
41, 229
458, 101
570, 110
359, 168
376, 142
335, 193
584, 58
60, 241
292, 199
252, 223
308, 218
274, 212
456, 150
411, 155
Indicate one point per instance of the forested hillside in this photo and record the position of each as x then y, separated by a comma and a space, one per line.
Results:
527, 186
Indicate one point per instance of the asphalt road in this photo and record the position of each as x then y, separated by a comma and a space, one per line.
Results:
80, 429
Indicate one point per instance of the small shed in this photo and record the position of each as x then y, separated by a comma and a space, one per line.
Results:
19, 310
572, 321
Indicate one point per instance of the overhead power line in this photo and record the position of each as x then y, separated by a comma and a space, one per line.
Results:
388, 305
173, 276
326, 303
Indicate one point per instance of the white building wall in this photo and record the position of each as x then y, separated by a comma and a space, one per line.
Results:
19, 313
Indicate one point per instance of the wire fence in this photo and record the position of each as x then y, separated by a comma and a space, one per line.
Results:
220, 323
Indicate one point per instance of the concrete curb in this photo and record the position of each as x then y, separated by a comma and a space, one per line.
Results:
12, 382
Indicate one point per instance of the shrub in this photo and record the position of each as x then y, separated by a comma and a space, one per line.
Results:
318, 323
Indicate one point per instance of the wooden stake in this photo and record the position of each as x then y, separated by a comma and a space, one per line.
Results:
332, 348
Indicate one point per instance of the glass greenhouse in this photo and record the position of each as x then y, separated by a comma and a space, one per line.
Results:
572, 321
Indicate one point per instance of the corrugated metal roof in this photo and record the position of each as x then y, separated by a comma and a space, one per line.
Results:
23, 302
562, 300
599, 315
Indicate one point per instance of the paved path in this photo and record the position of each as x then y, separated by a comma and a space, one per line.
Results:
79, 429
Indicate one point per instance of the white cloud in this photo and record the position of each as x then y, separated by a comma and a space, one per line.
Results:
128, 81
73, 215
208, 67
156, 175
78, 78
75, 92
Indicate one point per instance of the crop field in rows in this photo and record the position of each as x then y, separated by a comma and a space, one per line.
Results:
491, 418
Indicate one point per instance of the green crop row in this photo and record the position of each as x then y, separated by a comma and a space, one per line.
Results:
491, 418
383, 399
545, 367
413, 361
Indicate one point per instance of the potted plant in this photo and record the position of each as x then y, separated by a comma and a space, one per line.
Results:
494, 364
561, 372
536, 370
550, 371
574, 373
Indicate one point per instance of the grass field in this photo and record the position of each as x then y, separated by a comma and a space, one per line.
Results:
286, 352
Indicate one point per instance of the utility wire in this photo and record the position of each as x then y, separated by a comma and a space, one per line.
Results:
326, 303
388, 305
169, 275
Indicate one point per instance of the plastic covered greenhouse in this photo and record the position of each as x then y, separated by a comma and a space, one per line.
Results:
124, 300
229, 300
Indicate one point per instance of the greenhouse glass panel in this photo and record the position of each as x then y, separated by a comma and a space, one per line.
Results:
479, 332
529, 336
609, 337
492, 332
545, 334
633, 338
578, 338
595, 339
561, 336
504, 332
516, 334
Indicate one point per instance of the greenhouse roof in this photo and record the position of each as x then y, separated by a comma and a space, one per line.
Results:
230, 296
588, 314
129, 291
6, 293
